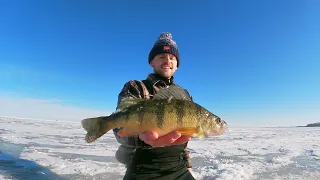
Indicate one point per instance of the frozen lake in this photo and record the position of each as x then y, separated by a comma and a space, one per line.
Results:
47, 150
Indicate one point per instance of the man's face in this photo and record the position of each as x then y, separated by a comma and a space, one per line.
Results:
164, 64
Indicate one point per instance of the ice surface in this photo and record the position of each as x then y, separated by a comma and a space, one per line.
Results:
56, 150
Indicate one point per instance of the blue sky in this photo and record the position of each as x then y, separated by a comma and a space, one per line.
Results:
250, 62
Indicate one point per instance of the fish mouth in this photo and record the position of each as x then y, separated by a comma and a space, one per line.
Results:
220, 129
215, 132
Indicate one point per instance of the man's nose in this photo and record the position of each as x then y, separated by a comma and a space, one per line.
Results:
167, 58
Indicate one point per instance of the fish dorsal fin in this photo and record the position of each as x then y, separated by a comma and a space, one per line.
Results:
172, 92
128, 102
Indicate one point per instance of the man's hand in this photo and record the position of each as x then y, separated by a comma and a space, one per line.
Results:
173, 138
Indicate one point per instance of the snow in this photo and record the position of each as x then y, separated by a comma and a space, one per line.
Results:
41, 149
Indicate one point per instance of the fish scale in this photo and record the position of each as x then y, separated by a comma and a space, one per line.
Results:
180, 111
160, 113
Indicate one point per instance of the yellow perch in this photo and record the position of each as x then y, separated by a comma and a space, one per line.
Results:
169, 110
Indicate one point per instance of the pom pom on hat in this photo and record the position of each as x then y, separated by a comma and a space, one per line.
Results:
165, 44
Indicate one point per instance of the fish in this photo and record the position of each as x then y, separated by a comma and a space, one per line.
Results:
170, 109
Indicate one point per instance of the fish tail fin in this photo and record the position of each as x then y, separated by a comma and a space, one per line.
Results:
96, 127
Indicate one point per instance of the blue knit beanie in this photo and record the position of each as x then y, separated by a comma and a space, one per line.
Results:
165, 44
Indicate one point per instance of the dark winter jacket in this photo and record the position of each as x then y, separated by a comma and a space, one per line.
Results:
128, 145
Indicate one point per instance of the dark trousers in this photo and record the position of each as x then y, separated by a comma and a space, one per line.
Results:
145, 172
144, 167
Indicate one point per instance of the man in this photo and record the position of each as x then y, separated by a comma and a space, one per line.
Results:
148, 156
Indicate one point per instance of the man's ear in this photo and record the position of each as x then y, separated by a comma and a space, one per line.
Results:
151, 63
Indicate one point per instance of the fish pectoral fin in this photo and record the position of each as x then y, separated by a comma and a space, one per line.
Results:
126, 132
188, 131
122, 133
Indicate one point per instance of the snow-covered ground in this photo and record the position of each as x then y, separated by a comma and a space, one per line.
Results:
39, 149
